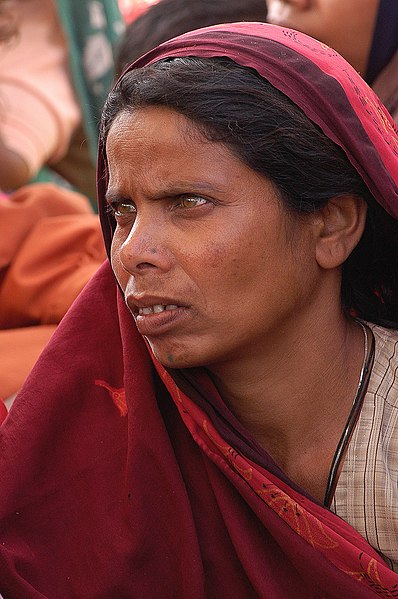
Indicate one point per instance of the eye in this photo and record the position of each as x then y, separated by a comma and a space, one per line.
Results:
122, 208
191, 202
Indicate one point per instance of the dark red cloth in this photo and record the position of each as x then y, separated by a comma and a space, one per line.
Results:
97, 504
116, 483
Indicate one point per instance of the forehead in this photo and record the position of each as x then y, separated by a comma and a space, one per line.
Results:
149, 125
155, 152
328, 16
159, 143
324, 5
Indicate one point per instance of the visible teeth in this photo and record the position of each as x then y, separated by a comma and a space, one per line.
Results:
157, 308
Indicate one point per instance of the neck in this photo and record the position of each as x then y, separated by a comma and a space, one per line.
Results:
302, 383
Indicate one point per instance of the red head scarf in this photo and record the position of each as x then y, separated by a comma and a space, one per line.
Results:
121, 481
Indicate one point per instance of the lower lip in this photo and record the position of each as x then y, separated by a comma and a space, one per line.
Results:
160, 322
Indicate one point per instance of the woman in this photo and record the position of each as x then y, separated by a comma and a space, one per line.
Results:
50, 241
250, 183
365, 32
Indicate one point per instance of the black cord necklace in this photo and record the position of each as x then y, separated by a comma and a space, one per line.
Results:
353, 416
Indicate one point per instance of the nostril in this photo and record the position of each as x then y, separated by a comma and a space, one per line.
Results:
145, 265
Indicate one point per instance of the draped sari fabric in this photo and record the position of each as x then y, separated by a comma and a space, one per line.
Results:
120, 479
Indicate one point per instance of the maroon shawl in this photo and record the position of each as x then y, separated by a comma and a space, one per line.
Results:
121, 480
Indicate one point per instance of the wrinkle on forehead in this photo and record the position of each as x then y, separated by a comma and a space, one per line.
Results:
154, 142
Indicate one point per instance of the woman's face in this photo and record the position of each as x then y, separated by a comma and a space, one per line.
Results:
210, 263
345, 25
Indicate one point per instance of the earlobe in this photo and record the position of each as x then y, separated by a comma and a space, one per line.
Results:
340, 227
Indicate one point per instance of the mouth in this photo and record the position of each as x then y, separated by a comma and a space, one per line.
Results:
157, 309
154, 316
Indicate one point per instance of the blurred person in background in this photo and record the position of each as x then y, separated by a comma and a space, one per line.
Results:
130, 9
365, 32
50, 240
50, 246
7, 20
168, 18
55, 73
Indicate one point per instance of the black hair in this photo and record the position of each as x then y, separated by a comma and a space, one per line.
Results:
169, 18
268, 132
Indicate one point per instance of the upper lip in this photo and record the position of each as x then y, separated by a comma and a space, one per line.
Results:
135, 302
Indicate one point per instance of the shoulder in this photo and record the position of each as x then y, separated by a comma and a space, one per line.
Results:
384, 379
379, 415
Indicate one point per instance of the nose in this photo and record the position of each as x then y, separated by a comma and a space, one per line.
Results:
145, 248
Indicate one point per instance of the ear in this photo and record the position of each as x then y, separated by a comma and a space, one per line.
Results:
340, 225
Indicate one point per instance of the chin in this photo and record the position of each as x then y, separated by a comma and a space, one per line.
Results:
173, 357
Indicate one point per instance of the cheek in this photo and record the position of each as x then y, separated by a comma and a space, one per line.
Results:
230, 263
116, 265
218, 256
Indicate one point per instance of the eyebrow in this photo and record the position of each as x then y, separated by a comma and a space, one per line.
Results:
177, 187
113, 196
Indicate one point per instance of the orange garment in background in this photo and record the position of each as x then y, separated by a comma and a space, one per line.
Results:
50, 246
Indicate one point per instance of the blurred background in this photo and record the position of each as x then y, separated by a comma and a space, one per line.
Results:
130, 9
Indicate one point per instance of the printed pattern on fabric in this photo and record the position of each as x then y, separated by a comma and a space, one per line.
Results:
118, 396
366, 495
374, 107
